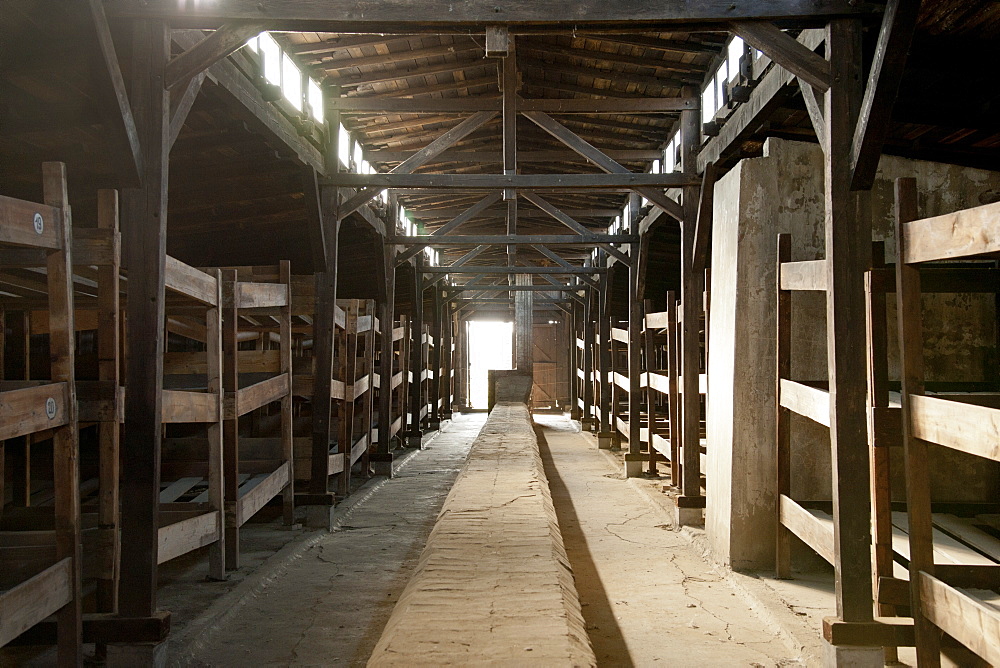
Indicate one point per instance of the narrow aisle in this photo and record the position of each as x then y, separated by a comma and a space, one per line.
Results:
648, 597
329, 606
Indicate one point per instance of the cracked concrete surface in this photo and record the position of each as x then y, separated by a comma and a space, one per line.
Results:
329, 606
648, 597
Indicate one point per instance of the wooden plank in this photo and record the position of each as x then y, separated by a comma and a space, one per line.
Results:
187, 535
968, 620
813, 527
963, 530
182, 407
189, 281
957, 235
35, 599
260, 295
96, 246
955, 424
33, 409
804, 400
266, 489
644, 183
782, 425
437, 15
946, 549
178, 489
785, 51
262, 393
30, 224
808, 275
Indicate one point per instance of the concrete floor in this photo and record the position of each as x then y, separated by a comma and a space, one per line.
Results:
648, 596
329, 599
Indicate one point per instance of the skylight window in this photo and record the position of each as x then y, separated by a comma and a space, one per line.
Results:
344, 147
733, 57
708, 102
358, 155
270, 59
291, 82
314, 95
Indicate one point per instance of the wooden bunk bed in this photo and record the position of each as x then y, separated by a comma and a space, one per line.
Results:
396, 419
192, 508
961, 599
41, 571
256, 470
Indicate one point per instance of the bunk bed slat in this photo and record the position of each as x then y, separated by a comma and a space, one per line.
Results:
33, 409
956, 235
30, 224
35, 599
957, 425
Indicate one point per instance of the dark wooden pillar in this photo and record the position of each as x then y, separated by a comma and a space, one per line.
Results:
587, 420
435, 354
633, 461
417, 365
447, 360
691, 500
144, 241
386, 315
607, 430
848, 256
575, 359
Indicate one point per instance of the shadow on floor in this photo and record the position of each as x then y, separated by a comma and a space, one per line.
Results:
602, 628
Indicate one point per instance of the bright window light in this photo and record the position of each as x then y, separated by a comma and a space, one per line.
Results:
291, 82
344, 146
733, 57
270, 56
656, 167
358, 154
252, 43
315, 95
366, 167
708, 102
720, 87
490, 347
668, 156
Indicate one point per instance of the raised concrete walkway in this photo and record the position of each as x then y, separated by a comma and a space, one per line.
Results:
493, 587
324, 600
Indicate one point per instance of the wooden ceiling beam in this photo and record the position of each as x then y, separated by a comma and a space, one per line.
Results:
612, 57
425, 70
210, 50
397, 56
443, 15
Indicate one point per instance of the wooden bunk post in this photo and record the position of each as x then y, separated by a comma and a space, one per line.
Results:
383, 460
217, 496
403, 396
367, 399
918, 476
108, 290
575, 359
633, 460
605, 437
348, 353
649, 351
414, 434
783, 462
691, 501
287, 419
587, 420
673, 391
434, 418
447, 360
231, 435
65, 441
144, 241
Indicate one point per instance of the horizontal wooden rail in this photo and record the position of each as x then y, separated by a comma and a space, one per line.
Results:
619, 334
191, 282
187, 535
963, 617
962, 234
259, 295
259, 394
183, 407
265, 490
813, 528
660, 320
30, 224
36, 598
958, 425
806, 401
32, 409
809, 275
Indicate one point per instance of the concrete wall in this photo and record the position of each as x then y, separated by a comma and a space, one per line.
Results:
783, 192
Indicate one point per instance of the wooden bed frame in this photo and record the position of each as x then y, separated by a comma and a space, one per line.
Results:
42, 573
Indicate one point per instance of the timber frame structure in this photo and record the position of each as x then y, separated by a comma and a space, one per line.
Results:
484, 160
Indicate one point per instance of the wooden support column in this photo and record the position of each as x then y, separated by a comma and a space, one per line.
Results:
575, 359
231, 426
649, 349
448, 360
144, 241
417, 365
108, 294
386, 315
510, 86
605, 436
524, 324
434, 417
633, 459
691, 502
347, 349
587, 421
324, 328
673, 391
848, 255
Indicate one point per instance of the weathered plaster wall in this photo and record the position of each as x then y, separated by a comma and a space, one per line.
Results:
783, 192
